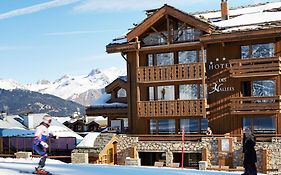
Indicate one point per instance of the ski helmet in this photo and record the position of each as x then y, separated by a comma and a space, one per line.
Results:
47, 119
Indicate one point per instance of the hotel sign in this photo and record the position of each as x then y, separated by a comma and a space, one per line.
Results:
219, 85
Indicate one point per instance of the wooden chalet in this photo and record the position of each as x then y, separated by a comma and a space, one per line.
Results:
113, 104
82, 126
219, 69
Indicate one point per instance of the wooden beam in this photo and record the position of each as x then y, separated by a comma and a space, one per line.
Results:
146, 23
191, 20
168, 30
241, 36
160, 34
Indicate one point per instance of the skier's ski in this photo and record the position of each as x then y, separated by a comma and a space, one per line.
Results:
33, 172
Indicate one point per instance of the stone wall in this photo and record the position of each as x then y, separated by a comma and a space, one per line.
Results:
170, 147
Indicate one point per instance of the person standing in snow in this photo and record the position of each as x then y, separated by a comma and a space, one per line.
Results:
250, 157
40, 144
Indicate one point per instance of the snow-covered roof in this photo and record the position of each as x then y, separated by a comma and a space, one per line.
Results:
89, 140
12, 122
257, 8
102, 102
16, 132
251, 17
259, 16
124, 78
14, 125
119, 40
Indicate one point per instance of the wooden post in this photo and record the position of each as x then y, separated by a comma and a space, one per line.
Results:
204, 81
182, 149
205, 153
264, 161
168, 30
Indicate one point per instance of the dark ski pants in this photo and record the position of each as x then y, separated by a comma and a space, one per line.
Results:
43, 153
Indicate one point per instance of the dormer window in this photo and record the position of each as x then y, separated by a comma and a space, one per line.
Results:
121, 93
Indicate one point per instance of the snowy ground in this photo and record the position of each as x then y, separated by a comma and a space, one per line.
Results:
14, 166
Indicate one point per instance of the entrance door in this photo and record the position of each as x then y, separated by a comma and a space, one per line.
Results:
190, 159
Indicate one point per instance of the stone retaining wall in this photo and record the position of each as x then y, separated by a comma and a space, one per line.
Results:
211, 143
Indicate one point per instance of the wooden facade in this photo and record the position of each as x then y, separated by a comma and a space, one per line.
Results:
227, 82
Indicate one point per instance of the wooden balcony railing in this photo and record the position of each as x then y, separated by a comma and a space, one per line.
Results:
178, 72
256, 105
176, 108
255, 67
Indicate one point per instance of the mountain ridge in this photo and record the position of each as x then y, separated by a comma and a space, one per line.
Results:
82, 89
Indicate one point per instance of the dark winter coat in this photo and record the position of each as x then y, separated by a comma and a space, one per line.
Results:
250, 156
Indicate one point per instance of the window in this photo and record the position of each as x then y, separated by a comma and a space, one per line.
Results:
204, 125
264, 88
191, 56
194, 125
188, 57
165, 59
186, 33
155, 39
151, 93
257, 51
190, 92
121, 93
166, 92
166, 126
258, 88
260, 124
149, 60
153, 123
190, 125
162, 126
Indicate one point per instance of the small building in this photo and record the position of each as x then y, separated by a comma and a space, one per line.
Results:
17, 132
81, 126
113, 105
101, 148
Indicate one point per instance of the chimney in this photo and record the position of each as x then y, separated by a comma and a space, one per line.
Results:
224, 10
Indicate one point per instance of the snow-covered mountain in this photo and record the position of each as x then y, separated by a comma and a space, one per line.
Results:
82, 89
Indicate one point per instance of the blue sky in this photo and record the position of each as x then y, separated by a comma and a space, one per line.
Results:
45, 39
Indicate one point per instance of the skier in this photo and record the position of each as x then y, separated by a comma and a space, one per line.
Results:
40, 144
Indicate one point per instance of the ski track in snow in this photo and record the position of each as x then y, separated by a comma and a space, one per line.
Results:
10, 166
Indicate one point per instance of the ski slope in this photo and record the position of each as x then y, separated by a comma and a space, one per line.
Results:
11, 166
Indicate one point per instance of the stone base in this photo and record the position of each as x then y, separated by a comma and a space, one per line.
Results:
203, 165
133, 162
79, 158
23, 155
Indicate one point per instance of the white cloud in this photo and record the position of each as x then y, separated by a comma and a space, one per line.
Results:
79, 32
36, 8
118, 5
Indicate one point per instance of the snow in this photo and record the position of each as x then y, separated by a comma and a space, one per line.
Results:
249, 19
102, 102
11, 127
239, 11
88, 140
13, 166
11, 84
119, 40
68, 86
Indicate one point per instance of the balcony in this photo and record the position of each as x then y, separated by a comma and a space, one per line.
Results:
178, 72
255, 105
175, 108
255, 67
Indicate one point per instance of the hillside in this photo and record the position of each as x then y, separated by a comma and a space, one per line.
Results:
21, 101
